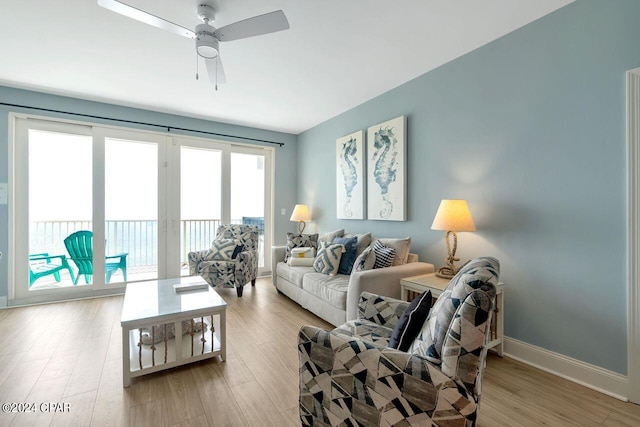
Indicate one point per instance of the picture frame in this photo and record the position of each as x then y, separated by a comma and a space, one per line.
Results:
350, 176
387, 170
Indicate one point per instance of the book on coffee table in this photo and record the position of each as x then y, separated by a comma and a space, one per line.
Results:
185, 287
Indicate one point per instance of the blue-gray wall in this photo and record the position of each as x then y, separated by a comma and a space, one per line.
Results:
530, 129
285, 175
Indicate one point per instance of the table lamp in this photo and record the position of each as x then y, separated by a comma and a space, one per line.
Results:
452, 216
300, 214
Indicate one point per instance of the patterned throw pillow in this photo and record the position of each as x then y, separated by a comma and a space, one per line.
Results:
349, 255
365, 260
328, 259
384, 255
411, 321
224, 250
300, 240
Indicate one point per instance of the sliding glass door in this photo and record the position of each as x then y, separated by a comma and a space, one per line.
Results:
249, 190
131, 209
200, 199
59, 174
222, 184
98, 207
86, 208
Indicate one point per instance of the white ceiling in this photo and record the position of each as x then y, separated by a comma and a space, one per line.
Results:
337, 54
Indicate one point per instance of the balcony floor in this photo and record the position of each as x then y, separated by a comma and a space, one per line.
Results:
134, 274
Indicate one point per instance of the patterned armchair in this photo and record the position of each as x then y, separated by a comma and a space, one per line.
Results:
228, 271
350, 377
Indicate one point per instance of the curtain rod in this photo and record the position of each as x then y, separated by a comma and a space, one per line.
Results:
168, 128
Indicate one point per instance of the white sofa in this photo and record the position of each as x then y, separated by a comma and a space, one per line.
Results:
335, 299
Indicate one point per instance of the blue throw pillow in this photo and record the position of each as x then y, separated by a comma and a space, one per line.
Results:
411, 321
237, 251
349, 256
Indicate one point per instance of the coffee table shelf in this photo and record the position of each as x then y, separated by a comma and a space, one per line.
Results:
155, 304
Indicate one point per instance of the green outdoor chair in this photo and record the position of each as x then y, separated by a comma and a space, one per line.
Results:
80, 248
40, 265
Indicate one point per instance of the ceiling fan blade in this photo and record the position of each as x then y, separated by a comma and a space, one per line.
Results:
215, 66
258, 25
142, 16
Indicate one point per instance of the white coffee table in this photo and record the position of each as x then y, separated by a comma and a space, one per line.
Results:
153, 303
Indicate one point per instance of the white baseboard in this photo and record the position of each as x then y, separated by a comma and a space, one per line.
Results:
3, 302
594, 377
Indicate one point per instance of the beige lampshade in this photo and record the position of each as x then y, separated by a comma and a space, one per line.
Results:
300, 213
453, 215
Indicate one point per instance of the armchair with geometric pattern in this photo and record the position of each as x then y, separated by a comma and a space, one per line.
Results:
349, 376
232, 260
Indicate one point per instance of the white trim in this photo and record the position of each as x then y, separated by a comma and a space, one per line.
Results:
633, 233
3, 302
591, 376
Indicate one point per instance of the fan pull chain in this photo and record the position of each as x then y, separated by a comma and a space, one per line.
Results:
218, 56
196, 66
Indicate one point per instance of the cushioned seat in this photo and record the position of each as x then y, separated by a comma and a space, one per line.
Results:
350, 377
332, 289
220, 268
292, 274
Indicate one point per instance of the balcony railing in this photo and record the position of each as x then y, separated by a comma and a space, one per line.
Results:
137, 237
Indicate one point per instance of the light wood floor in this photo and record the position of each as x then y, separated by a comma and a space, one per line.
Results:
71, 353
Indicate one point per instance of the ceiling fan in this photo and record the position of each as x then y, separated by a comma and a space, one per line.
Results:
207, 37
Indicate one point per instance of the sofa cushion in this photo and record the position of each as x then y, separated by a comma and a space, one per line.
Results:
364, 241
332, 290
329, 236
292, 274
300, 240
365, 260
384, 255
411, 321
349, 255
367, 330
481, 273
402, 247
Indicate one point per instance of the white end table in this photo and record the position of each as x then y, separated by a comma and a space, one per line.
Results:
409, 286
153, 303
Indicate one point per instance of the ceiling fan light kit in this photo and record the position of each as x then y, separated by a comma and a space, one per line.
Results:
207, 37
206, 43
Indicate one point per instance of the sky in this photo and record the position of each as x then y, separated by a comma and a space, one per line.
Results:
60, 180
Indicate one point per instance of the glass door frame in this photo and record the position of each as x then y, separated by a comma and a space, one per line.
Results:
173, 264
19, 216
268, 198
168, 200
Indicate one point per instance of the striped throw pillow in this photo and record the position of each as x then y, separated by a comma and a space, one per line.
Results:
384, 255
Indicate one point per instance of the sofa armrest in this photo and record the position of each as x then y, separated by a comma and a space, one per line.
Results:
195, 258
381, 281
325, 354
385, 311
277, 255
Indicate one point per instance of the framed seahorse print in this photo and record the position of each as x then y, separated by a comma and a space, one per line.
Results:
350, 177
387, 170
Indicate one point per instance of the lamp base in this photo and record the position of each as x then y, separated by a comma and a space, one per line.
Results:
446, 272
301, 226
449, 269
